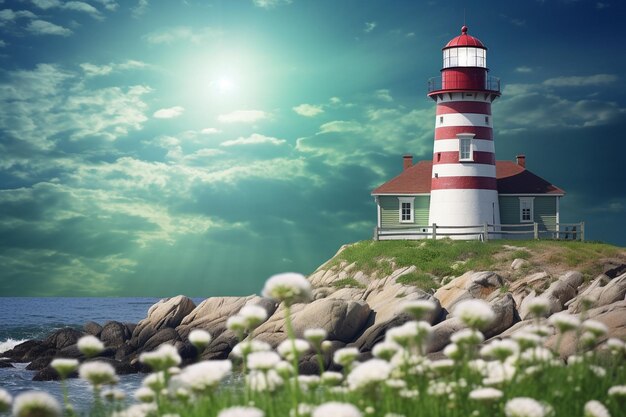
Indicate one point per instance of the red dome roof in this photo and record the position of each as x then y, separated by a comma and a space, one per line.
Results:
464, 40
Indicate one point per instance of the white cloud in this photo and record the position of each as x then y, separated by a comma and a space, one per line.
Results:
335, 100
270, 4
182, 33
2, 43
42, 27
581, 81
10, 15
243, 116
169, 113
110, 5
340, 126
92, 70
141, 8
523, 69
370, 26
254, 139
308, 110
210, 131
384, 95
46, 4
80, 6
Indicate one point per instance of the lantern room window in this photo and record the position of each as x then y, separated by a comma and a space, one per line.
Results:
464, 57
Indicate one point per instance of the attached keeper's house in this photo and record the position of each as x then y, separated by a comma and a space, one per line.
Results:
463, 193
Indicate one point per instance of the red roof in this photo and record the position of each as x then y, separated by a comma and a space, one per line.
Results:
464, 40
512, 179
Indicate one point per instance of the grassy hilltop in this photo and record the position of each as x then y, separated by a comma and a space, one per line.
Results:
436, 259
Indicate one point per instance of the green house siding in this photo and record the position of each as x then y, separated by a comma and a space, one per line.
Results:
544, 211
390, 211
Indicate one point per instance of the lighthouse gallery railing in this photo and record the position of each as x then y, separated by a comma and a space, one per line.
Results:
488, 83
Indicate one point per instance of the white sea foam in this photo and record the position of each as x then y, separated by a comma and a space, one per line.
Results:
9, 344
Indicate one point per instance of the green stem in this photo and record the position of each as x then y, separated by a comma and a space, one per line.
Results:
320, 360
292, 338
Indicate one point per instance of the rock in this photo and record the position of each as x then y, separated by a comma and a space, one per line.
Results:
602, 291
19, 351
469, 285
124, 351
614, 268
521, 287
6, 364
518, 264
39, 363
212, 313
49, 374
92, 328
557, 294
590, 293
165, 335
114, 334
342, 319
167, 313
131, 327
613, 291
612, 315
440, 337
63, 338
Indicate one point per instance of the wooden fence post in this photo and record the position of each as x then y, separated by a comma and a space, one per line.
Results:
434, 230
536, 230
485, 232
582, 231
376, 233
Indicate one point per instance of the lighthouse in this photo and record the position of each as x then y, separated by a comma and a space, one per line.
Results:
463, 183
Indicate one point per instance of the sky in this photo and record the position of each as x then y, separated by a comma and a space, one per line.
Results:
155, 148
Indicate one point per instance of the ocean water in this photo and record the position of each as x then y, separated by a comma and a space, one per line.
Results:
23, 318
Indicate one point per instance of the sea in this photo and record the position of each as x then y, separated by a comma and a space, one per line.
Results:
25, 318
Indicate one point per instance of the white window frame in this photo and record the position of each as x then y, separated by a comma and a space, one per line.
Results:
411, 202
531, 202
462, 137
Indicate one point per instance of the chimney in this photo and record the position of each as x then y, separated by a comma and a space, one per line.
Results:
407, 161
521, 160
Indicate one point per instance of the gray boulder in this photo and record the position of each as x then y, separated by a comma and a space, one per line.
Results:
92, 328
167, 313
63, 338
469, 285
114, 334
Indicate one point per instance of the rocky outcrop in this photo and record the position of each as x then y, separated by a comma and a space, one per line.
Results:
169, 312
557, 295
114, 334
469, 285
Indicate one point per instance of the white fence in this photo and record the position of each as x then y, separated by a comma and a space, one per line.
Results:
484, 232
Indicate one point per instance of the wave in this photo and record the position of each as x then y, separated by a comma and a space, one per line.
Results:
10, 343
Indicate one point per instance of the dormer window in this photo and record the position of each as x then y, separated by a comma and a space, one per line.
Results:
466, 148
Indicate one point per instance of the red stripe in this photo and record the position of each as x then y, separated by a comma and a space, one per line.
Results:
464, 107
488, 158
465, 183
450, 132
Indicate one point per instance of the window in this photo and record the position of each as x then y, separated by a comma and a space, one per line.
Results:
406, 209
440, 119
464, 57
526, 209
487, 120
466, 151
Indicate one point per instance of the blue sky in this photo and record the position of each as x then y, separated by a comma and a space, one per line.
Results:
163, 147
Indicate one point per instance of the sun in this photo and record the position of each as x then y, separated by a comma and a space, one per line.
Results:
224, 84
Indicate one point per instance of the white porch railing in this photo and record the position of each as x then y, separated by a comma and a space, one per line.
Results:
484, 232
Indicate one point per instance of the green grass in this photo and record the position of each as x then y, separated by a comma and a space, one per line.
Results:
421, 280
347, 283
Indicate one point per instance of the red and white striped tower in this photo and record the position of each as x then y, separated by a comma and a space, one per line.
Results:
463, 188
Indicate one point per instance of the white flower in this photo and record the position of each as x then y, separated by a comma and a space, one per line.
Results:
452, 351
467, 337
498, 372
98, 373
253, 315
474, 313
409, 332
539, 306
527, 339
264, 381
284, 369
205, 375
595, 327
5, 400
331, 378
248, 346
616, 345
315, 336
241, 412
485, 394
595, 408
345, 356
289, 288
304, 410
165, 356
537, 354
396, 383
263, 361
442, 365
155, 381
419, 308
618, 391
367, 373
237, 324
385, 350
336, 409
287, 348
524, 407
89, 345
145, 395
309, 382
64, 367
500, 349
36, 404
539, 329
113, 394
564, 322
200, 338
